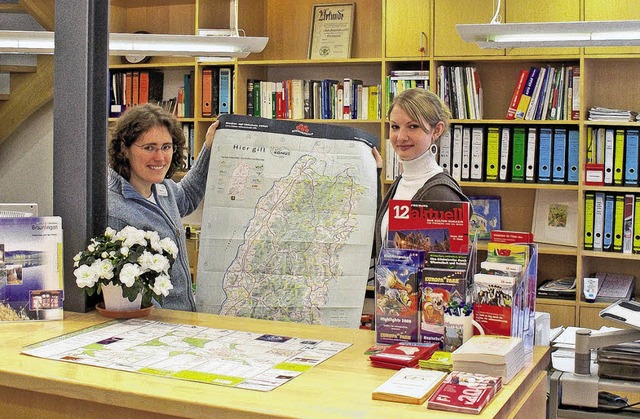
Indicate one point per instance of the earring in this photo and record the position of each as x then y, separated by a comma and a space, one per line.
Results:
434, 149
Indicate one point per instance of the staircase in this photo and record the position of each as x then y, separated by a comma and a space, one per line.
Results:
26, 81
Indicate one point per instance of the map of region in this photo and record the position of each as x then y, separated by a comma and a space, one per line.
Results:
231, 358
288, 221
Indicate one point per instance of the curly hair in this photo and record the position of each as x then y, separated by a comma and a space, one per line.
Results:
135, 122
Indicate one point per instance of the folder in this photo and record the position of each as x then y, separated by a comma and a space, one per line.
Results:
559, 155
545, 143
589, 198
618, 157
636, 224
518, 155
618, 222
631, 158
607, 231
505, 146
627, 228
456, 156
573, 155
466, 153
151, 86
598, 220
225, 90
591, 145
609, 140
129, 89
493, 153
444, 158
477, 153
532, 145
207, 78
135, 90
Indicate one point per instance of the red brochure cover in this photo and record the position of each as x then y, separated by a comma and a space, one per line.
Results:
441, 226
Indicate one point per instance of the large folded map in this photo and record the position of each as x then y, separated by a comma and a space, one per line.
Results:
288, 220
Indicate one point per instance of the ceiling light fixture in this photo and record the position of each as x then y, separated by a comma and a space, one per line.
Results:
552, 34
496, 35
43, 42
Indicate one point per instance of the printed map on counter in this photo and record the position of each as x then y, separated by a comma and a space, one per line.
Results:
288, 221
232, 358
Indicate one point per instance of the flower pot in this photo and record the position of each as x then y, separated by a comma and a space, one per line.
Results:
114, 301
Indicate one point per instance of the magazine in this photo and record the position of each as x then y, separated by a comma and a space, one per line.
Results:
31, 280
433, 226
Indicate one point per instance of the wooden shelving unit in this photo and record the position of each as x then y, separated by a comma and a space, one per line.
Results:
415, 34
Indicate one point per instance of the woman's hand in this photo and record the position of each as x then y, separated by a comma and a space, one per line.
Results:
208, 139
378, 157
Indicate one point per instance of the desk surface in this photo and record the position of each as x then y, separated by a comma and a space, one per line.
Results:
339, 387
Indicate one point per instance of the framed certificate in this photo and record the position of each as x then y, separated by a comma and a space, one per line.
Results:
331, 29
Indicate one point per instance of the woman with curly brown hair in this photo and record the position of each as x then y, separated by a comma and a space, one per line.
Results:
146, 148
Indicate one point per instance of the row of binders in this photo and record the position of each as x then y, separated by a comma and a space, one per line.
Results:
546, 93
131, 88
511, 154
313, 99
612, 222
616, 149
217, 91
459, 87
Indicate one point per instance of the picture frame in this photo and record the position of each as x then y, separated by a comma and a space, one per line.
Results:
555, 217
331, 31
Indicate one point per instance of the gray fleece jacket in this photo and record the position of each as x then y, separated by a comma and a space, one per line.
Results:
175, 200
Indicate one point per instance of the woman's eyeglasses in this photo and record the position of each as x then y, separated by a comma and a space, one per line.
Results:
152, 148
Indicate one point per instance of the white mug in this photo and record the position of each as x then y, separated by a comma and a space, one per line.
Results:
458, 329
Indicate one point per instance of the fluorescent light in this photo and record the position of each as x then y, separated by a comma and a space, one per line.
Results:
43, 42
552, 34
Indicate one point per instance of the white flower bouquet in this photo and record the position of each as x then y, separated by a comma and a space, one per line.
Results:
137, 260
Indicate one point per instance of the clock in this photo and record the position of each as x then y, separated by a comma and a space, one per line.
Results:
136, 59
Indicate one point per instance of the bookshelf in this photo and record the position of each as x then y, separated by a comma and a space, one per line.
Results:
420, 34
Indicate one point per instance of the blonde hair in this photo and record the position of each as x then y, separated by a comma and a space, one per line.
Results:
422, 106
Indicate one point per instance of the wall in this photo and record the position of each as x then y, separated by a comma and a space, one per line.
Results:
26, 162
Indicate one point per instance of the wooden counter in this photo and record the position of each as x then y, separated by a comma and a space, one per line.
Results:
339, 387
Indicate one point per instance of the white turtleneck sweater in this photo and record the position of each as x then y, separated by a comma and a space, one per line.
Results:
415, 174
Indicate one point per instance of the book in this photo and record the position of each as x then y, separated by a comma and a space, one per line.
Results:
429, 225
397, 278
464, 392
527, 93
402, 354
517, 93
409, 385
31, 276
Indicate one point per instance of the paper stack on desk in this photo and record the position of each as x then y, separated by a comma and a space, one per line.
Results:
620, 362
491, 355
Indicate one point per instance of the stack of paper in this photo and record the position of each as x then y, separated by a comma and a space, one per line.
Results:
409, 385
608, 114
491, 355
402, 354
440, 361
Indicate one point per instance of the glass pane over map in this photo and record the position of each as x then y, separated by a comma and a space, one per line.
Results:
288, 220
